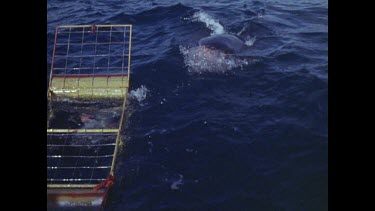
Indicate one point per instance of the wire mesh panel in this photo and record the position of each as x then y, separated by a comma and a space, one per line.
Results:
91, 61
83, 159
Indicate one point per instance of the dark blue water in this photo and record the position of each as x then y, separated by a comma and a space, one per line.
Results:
248, 134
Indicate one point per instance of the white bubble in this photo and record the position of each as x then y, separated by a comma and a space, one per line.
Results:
250, 41
175, 184
139, 94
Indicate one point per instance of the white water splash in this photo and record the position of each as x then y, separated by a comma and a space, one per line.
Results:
175, 184
139, 94
250, 41
66, 203
210, 22
201, 59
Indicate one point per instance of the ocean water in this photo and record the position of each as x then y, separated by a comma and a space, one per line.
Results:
238, 132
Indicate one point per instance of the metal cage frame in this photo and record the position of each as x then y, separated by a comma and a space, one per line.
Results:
103, 86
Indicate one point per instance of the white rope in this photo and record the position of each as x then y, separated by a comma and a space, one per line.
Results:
79, 167
87, 145
83, 156
73, 180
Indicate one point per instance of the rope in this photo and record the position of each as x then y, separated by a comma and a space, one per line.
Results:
108, 183
93, 28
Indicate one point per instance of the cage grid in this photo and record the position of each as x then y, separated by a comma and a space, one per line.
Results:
91, 61
88, 83
79, 159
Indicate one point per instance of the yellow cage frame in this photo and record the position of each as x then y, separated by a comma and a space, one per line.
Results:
95, 86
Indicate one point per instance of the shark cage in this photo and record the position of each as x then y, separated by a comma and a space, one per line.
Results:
88, 86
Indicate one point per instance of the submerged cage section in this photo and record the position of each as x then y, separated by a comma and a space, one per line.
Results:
79, 158
88, 83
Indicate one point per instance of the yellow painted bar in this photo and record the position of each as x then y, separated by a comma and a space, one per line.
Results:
103, 86
69, 186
